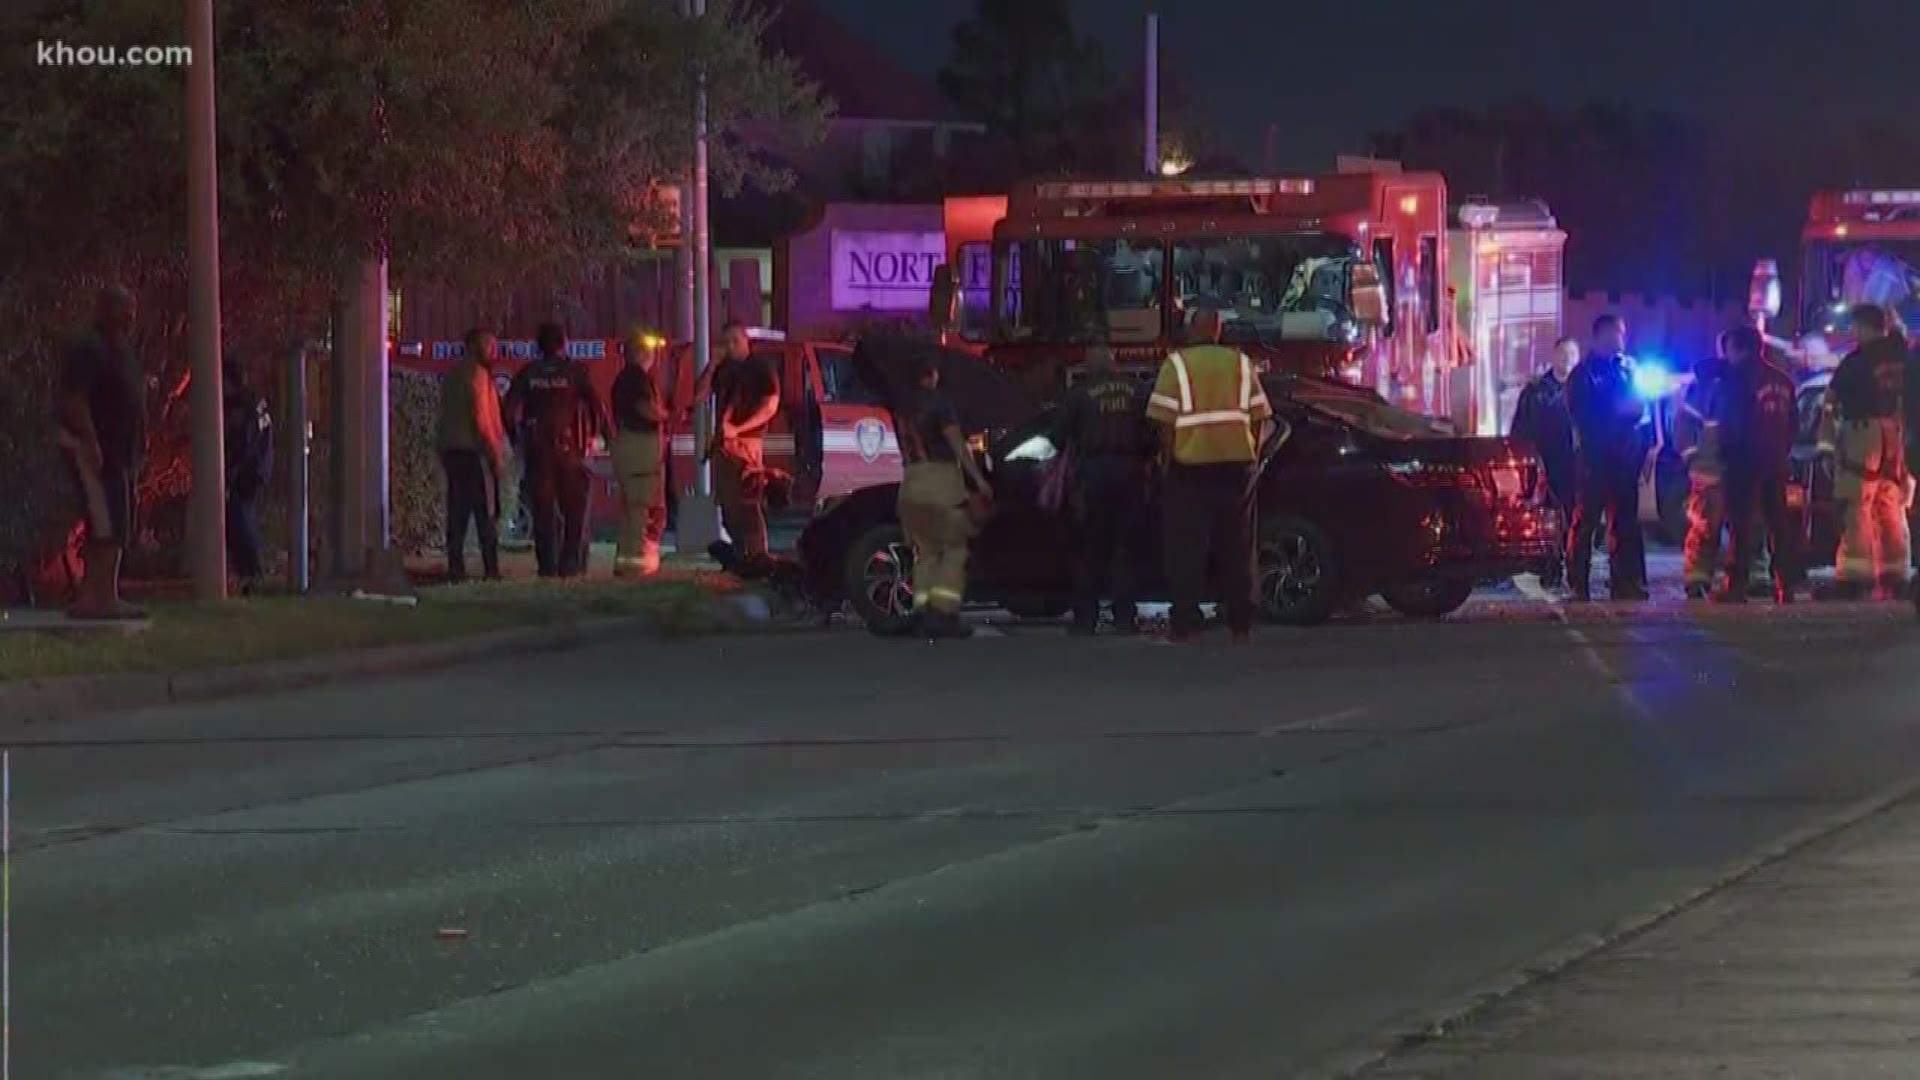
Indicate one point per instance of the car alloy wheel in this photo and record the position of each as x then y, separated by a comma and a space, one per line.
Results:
1297, 572
888, 579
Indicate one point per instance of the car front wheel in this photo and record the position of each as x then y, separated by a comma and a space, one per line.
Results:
878, 577
1299, 572
1431, 599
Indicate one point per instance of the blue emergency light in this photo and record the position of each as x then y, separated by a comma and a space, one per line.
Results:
1651, 379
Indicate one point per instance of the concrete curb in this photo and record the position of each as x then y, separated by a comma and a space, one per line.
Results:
43, 701
1432, 1024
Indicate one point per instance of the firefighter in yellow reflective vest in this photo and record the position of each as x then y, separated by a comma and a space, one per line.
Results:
1212, 413
933, 503
1870, 469
639, 458
1696, 431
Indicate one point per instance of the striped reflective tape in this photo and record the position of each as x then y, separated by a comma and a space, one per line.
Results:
1221, 416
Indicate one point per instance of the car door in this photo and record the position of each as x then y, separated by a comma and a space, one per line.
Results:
858, 447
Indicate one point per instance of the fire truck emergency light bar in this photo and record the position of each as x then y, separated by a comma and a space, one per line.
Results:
1142, 189
1883, 198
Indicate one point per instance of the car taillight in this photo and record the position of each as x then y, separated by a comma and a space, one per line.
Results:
1513, 479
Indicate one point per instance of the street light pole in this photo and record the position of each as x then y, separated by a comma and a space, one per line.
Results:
1152, 104
208, 521
697, 525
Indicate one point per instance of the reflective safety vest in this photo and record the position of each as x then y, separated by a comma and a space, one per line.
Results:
1213, 400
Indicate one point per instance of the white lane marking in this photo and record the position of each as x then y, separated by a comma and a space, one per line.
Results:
1311, 723
234, 1070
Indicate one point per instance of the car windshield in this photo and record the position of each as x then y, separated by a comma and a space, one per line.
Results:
1883, 272
1371, 415
1267, 288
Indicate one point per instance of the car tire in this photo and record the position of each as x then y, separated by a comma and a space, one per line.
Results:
877, 575
1433, 599
1299, 572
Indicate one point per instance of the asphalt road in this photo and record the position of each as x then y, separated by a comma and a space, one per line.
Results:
825, 855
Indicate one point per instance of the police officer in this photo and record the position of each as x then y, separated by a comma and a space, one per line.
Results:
1541, 418
1103, 422
933, 502
249, 448
1870, 461
557, 414
1757, 445
1606, 419
1213, 413
639, 458
473, 453
1697, 429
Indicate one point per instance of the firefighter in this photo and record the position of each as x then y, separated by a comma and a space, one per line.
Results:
1541, 418
557, 414
934, 506
1756, 440
473, 452
101, 430
249, 451
1213, 415
1870, 474
1102, 421
639, 458
1606, 420
1698, 433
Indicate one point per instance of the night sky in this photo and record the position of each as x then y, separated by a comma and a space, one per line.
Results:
1763, 67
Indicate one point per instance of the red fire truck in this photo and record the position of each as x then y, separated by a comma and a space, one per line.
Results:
1857, 247
1060, 265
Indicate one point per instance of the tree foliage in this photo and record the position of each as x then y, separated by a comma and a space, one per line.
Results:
1021, 68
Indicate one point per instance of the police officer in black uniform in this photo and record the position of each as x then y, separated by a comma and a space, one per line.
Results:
555, 413
1756, 443
1606, 419
1103, 422
249, 447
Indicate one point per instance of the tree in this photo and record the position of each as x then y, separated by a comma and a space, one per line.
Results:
1019, 67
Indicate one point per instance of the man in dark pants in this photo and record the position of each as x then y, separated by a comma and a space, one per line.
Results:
1102, 422
473, 450
1213, 413
1542, 420
557, 413
101, 424
1606, 420
746, 399
249, 448
1757, 445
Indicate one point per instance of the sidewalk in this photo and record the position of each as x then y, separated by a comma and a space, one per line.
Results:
1809, 969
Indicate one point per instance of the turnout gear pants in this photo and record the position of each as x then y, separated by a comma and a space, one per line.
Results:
556, 493
1609, 489
1107, 498
933, 512
743, 508
1870, 485
639, 467
473, 496
1209, 524
1706, 517
1757, 503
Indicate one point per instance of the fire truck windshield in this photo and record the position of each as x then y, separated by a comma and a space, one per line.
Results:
1842, 274
1268, 288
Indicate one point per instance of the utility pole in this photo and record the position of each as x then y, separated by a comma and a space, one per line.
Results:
1152, 104
208, 522
698, 525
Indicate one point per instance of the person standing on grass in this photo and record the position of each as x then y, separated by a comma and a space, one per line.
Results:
101, 421
473, 451
639, 458
249, 450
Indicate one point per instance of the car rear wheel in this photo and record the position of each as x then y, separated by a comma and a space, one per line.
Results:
878, 577
1430, 599
1299, 572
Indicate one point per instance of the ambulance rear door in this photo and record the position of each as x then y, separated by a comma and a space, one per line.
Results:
857, 444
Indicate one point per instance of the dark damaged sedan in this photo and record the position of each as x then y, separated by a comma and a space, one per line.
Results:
1356, 498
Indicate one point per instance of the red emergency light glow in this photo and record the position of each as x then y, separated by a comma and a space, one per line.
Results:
1146, 189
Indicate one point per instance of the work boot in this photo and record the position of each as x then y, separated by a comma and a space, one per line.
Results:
1732, 594
1782, 592
1580, 592
946, 625
649, 558
1633, 593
